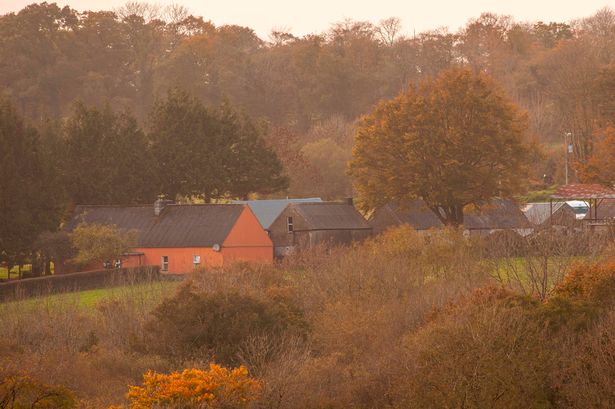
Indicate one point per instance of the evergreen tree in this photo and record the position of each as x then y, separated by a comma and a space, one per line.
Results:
106, 158
29, 199
210, 154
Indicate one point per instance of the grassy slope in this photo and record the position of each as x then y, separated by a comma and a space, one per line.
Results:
89, 299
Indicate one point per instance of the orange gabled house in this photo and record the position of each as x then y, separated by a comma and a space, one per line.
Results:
180, 238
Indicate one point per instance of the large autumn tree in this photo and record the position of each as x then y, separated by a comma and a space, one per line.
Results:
452, 141
600, 167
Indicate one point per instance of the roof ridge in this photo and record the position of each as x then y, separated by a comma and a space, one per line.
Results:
114, 205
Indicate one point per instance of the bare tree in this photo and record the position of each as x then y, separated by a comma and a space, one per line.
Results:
147, 11
388, 30
534, 266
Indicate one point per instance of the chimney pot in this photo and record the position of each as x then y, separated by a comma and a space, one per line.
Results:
160, 204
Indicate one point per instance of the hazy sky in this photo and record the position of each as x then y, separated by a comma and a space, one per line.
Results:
304, 17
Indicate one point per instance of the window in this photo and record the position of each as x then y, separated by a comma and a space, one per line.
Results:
196, 260
165, 263
289, 224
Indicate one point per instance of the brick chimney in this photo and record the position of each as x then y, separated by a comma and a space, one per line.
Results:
160, 204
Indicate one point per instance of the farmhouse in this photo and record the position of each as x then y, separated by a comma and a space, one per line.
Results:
303, 225
179, 238
500, 214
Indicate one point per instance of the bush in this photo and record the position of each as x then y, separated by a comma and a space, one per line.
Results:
192, 324
99, 243
592, 282
193, 388
487, 352
23, 392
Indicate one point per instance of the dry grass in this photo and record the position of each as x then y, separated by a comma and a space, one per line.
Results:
393, 322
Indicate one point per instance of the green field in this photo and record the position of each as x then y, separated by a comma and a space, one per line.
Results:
88, 299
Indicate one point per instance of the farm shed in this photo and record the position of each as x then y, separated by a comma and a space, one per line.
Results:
179, 238
550, 214
303, 225
499, 214
600, 199
414, 213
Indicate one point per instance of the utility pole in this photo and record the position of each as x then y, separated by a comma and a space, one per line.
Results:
568, 147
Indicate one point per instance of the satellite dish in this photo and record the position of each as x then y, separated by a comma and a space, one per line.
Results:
216, 247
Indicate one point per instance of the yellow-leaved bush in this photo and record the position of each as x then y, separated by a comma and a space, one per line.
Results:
218, 387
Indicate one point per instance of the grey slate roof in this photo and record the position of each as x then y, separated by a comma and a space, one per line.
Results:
499, 214
331, 216
539, 213
177, 225
416, 214
267, 211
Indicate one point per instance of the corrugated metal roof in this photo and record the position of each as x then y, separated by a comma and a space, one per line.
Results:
177, 225
583, 191
267, 211
331, 216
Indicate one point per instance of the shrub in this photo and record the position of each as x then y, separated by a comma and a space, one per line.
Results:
191, 324
192, 388
587, 375
592, 282
97, 243
484, 352
23, 392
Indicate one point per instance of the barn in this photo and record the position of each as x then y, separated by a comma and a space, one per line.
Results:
180, 238
498, 215
303, 225
547, 214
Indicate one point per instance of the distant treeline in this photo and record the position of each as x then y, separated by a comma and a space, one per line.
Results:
50, 56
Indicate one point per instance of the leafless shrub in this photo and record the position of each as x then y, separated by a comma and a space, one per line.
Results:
587, 377
535, 265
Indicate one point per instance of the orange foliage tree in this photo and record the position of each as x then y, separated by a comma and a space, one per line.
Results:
600, 167
218, 387
453, 141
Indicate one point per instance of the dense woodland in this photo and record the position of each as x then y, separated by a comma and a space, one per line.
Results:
309, 90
